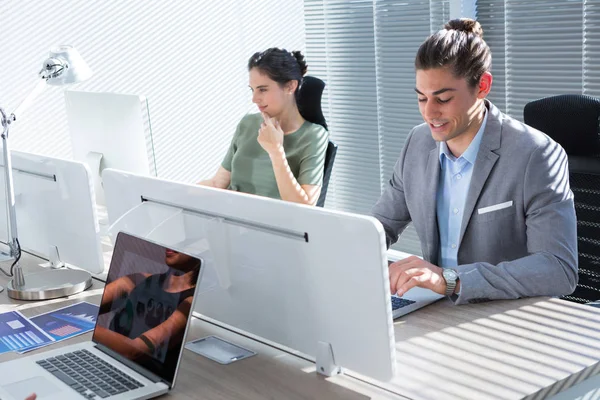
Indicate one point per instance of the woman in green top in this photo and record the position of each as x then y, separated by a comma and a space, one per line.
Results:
275, 153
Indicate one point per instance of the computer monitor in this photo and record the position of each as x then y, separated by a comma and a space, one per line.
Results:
307, 278
56, 211
110, 130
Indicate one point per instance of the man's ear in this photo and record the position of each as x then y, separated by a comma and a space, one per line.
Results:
485, 85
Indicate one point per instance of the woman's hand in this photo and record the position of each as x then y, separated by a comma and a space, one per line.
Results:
270, 136
31, 397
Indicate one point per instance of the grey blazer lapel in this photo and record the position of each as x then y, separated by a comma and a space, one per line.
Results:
486, 159
432, 177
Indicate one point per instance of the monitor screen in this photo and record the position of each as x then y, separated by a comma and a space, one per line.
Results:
110, 130
56, 211
146, 305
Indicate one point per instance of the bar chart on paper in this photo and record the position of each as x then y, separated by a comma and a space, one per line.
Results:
18, 333
69, 321
66, 330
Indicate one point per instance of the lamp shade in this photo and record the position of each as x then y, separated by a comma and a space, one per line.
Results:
64, 66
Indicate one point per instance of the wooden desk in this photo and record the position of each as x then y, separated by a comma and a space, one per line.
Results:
528, 348
272, 373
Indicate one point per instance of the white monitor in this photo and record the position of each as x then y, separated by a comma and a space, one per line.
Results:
56, 211
110, 130
304, 277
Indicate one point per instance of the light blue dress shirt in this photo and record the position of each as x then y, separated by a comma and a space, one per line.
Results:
455, 179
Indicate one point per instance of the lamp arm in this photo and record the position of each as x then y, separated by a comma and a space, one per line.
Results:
37, 90
13, 241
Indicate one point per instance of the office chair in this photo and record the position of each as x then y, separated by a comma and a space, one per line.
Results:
329, 157
309, 105
573, 122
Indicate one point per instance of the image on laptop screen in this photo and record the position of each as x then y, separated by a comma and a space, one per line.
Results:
146, 304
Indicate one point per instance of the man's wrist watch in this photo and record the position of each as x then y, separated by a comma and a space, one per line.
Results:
450, 276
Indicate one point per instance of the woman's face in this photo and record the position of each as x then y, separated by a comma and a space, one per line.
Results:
179, 261
269, 96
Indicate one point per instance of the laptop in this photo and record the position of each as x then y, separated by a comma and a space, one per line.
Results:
139, 336
412, 300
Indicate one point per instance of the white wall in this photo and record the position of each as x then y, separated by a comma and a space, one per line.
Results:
188, 57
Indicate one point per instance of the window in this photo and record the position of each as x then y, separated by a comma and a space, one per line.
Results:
188, 58
364, 50
541, 48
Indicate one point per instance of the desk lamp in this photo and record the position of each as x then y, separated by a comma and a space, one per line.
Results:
63, 66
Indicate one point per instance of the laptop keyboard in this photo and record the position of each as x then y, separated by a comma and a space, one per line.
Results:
399, 302
89, 375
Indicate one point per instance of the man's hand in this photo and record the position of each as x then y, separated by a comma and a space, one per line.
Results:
270, 135
413, 271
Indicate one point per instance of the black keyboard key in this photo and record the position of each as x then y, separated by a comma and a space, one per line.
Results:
112, 391
94, 388
64, 377
121, 389
399, 302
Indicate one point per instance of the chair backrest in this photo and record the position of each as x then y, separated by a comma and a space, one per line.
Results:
329, 158
573, 122
570, 119
309, 105
309, 98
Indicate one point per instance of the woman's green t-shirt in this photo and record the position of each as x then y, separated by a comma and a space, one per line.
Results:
251, 168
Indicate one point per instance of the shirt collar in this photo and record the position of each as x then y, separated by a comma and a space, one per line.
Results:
471, 153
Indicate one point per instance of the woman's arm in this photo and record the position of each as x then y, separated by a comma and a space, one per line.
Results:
129, 348
115, 289
289, 188
171, 330
270, 137
173, 327
221, 180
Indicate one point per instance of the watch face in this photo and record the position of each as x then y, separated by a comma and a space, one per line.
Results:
450, 274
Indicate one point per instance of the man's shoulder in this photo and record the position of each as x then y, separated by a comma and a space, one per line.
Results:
518, 137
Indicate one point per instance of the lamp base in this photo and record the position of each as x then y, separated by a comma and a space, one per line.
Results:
50, 284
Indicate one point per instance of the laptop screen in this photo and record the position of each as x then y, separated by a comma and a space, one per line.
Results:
146, 304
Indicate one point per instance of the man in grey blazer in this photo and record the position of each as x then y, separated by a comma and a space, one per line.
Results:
488, 196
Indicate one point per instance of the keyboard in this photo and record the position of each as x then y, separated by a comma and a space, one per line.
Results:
399, 302
89, 375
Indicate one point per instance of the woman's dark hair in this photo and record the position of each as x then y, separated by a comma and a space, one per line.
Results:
459, 46
280, 65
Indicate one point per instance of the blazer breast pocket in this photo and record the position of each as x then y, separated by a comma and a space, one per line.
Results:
494, 211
